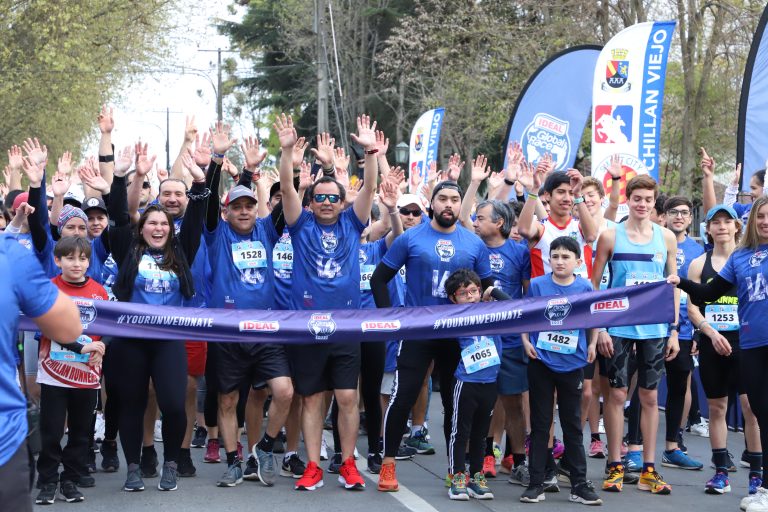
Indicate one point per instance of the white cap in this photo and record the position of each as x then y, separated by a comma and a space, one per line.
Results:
407, 199
75, 193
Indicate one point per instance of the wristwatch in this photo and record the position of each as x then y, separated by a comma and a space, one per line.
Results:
674, 327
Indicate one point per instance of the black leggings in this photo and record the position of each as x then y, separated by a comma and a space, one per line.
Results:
371, 372
678, 370
211, 404
134, 363
753, 362
412, 365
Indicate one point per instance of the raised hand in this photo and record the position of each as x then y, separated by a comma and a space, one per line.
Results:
33, 171
106, 119
388, 194
4, 190
220, 138
366, 135
396, 175
36, 152
527, 177
286, 133
432, 173
545, 165
25, 209
616, 169
707, 164
324, 150
123, 161
382, 143
161, 173
514, 160
7, 175
253, 157
305, 178
143, 162
342, 176
495, 180
340, 159
65, 163
736, 176
15, 158
576, 180
197, 173
60, 184
298, 152
202, 154
270, 177
479, 171
455, 165
539, 174
228, 167
190, 130
91, 178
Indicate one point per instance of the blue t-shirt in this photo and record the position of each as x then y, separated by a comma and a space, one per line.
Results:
25, 239
430, 257
45, 257
243, 263
97, 263
371, 255
474, 348
282, 264
326, 270
553, 346
26, 289
742, 210
747, 269
687, 251
156, 286
202, 277
510, 266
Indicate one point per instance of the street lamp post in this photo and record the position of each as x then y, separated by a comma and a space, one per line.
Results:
402, 151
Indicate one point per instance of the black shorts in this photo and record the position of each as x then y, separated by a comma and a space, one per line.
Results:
683, 362
254, 363
719, 374
324, 366
650, 362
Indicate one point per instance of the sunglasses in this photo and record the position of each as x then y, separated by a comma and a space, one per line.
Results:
413, 213
332, 198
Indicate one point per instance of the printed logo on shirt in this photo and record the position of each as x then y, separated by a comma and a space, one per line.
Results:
363, 257
574, 235
321, 325
758, 258
329, 241
381, 325
557, 310
610, 306
445, 250
497, 263
25, 242
87, 311
259, 326
658, 258
680, 258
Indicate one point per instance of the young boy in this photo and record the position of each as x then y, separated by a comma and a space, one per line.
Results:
69, 380
557, 361
473, 396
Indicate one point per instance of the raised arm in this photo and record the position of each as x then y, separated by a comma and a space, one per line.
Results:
38, 215
106, 149
190, 135
480, 172
13, 178
615, 170
192, 228
388, 193
526, 224
586, 222
708, 197
286, 133
59, 186
732, 191
253, 159
366, 137
510, 174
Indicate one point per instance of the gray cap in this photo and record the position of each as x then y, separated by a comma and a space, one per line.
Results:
94, 203
238, 192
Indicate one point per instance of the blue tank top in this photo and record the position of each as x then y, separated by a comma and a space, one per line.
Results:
634, 264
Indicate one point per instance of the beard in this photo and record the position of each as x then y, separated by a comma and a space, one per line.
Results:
444, 222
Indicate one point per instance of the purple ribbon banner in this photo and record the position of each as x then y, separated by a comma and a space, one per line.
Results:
637, 305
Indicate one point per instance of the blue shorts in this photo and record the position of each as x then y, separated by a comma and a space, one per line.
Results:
513, 374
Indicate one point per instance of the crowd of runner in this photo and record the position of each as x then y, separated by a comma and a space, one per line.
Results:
321, 234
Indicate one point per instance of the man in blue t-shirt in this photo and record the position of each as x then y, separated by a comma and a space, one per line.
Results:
28, 291
326, 275
430, 253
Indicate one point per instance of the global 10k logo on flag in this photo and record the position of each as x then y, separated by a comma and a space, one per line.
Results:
547, 134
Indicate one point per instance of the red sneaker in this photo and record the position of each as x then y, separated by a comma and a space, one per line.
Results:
311, 479
387, 478
489, 466
349, 476
212, 451
506, 464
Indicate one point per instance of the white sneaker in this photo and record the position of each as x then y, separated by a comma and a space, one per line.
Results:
357, 454
158, 436
324, 450
757, 502
98, 435
700, 429
601, 427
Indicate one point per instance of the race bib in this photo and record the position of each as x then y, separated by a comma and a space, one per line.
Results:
605, 279
366, 271
250, 254
283, 258
563, 342
59, 353
722, 317
481, 354
581, 271
634, 279
156, 280
683, 298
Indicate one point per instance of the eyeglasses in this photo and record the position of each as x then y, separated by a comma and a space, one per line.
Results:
469, 292
678, 213
413, 213
332, 198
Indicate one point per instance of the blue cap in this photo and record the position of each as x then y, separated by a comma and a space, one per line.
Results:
721, 208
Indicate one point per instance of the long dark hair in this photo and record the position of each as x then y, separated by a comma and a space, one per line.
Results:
170, 260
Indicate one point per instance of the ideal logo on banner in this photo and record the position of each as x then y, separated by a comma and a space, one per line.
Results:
547, 134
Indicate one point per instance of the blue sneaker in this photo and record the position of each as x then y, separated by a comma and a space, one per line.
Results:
633, 461
718, 484
677, 459
754, 483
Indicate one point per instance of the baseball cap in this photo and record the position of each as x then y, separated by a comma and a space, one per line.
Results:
21, 198
407, 199
238, 192
721, 208
94, 203
447, 184
74, 196
274, 189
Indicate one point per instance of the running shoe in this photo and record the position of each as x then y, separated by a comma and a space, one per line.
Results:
699, 429
251, 471
110, 462
323, 450
680, 442
335, 464
311, 479
350, 477
478, 488
199, 437
374, 463
419, 442
596, 449
47, 494
458, 489
633, 462
168, 477
293, 467
68, 492
448, 480
506, 464
731, 466
558, 448
550, 481
133, 481
85, 481
533, 494
760, 494
601, 426
755, 482
678, 459
624, 448
267, 465
585, 494
158, 433
91, 464
497, 454
563, 474
405, 452
186, 468
520, 476
489, 466
718, 484
387, 478
652, 481
148, 463
212, 455
759, 502
614, 482
98, 431
232, 476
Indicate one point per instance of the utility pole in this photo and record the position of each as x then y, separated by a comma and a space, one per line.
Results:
322, 71
168, 139
219, 112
